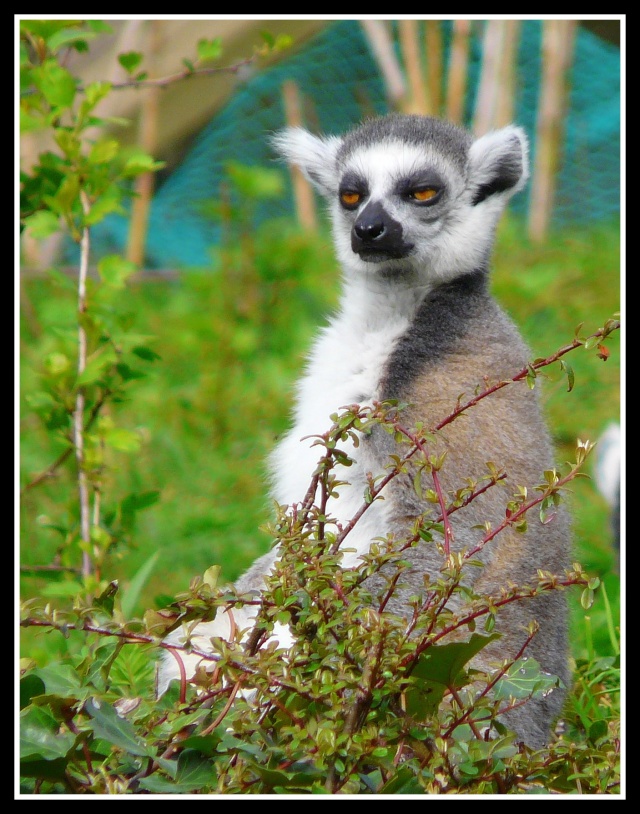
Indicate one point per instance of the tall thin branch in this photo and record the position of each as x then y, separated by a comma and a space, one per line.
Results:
78, 413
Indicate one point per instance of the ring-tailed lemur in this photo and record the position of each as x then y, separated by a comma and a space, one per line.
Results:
414, 203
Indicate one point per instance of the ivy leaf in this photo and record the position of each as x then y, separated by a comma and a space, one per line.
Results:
60, 679
438, 668
39, 735
194, 770
108, 725
30, 686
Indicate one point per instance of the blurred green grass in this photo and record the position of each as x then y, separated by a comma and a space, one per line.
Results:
232, 340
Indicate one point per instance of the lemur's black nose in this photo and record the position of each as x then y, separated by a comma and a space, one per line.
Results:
377, 236
369, 228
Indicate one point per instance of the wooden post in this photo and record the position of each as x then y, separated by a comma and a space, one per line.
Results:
433, 43
418, 100
458, 69
381, 44
302, 191
557, 54
145, 183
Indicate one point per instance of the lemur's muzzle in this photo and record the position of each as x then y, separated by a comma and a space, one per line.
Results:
376, 236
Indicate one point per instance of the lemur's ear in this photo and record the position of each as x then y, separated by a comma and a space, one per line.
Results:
314, 155
499, 163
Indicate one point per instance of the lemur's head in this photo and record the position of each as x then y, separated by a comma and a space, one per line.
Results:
412, 192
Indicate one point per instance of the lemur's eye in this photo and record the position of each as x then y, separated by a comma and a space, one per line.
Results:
349, 198
423, 194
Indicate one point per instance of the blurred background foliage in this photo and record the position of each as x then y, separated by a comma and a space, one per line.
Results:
231, 340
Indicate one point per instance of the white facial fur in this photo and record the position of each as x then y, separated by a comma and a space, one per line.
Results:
452, 237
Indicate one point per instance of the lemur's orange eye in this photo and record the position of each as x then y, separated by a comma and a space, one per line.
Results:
425, 194
350, 198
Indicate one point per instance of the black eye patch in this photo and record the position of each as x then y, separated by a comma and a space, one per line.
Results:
425, 179
353, 182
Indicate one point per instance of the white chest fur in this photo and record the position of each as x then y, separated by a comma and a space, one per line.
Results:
345, 367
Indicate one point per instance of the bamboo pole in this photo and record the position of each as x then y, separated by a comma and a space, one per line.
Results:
557, 54
433, 42
417, 100
145, 183
302, 191
505, 101
381, 44
492, 46
458, 70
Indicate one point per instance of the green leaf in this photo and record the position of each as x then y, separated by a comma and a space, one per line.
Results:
103, 151
140, 163
145, 353
110, 201
130, 60
94, 93
122, 440
97, 364
108, 725
211, 576
209, 50
570, 375
268, 37
194, 770
42, 224
283, 41
63, 38
437, 669
587, 597
47, 28
55, 83
114, 270
39, 735
30, 685
106, 599
99, 26
62, 589
44, 769
60, 679
403, 781
524, 678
